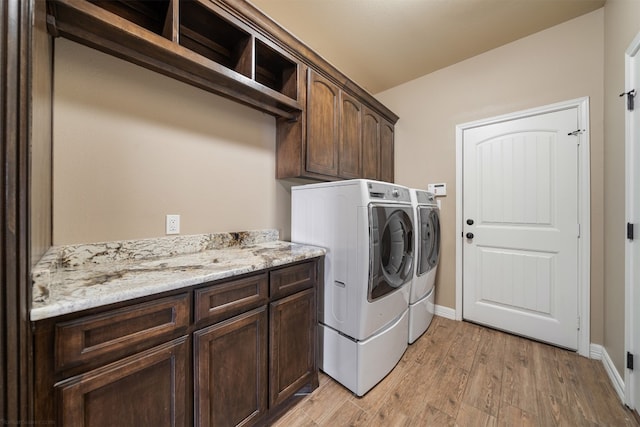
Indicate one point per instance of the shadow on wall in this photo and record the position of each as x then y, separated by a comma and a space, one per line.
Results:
147, 96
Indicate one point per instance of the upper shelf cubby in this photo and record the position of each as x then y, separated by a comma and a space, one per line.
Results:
275, 70
194, 41
205, 32
150, 15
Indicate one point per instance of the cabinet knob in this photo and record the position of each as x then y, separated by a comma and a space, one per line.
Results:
469, 221
469, 235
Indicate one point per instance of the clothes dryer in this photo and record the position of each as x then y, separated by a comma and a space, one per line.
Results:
427, 243
367, 228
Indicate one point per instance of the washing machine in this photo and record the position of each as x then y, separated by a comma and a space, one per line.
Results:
367, 228
427, 244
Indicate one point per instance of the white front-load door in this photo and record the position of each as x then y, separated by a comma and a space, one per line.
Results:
520, 213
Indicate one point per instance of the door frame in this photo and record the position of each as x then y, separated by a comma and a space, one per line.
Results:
631, 272
584, 208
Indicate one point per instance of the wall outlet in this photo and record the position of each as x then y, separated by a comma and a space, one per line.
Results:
173, 224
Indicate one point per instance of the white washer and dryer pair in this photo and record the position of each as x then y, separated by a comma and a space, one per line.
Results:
427, 244
367, 228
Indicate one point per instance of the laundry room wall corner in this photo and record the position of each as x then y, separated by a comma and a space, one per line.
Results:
491, 84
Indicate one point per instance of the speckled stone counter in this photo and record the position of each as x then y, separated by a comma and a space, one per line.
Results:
77, 277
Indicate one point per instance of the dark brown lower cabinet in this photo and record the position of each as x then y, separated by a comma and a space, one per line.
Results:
231, 371
146, 389
232, 352
292, 345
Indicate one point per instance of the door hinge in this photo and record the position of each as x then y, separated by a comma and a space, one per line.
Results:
578, 323
629, 360
630, 231
578, 230
630, 98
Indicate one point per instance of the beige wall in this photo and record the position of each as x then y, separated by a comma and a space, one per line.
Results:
562, 63
621, 26
131, 146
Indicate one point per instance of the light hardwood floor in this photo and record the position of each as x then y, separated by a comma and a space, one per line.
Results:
459, 373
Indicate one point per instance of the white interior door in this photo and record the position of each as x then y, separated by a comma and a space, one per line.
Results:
520, 226
632, 249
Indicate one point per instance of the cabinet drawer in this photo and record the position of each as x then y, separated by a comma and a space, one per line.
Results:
289, 280
222, 301
120, 332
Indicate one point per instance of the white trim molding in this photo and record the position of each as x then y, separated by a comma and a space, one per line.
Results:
584, 208
446, 312
595, 351
616, 380
631, 270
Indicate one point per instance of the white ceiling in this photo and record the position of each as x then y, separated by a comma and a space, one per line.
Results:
383, 43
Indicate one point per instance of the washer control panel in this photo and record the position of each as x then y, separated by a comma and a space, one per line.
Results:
389, 192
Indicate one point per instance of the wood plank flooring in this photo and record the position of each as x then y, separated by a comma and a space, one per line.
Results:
462, 374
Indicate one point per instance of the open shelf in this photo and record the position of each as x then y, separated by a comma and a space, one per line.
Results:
275, 71
206, 33
199, 42
150, 15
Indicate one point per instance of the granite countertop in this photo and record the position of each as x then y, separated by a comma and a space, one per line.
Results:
77, 277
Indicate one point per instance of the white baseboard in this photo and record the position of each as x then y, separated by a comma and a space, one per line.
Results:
446, 312
595, 351
609, 367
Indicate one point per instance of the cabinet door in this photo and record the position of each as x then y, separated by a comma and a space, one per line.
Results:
292, 345
386, 151
322, 125
350, 153
146, 389
370, 144
231, 371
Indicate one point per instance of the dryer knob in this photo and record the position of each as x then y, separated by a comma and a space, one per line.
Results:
395, 193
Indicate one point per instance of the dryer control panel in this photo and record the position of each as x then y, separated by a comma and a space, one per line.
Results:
425, 197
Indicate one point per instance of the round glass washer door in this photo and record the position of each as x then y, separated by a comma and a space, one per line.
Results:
390, 250
429, 241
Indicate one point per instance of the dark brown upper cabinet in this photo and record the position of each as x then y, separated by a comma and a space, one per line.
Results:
386, 151
350, 152
377, 147
323, 126
231, 48
371, 144
342, 138
198, 42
